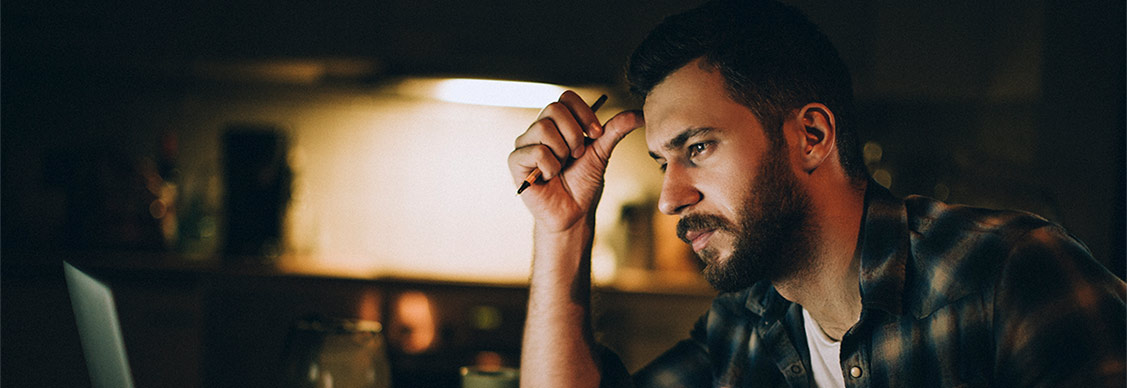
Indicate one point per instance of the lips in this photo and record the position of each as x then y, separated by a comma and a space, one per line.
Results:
697, 229
699, 238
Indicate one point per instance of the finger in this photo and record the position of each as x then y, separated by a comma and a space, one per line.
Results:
583, 114
616, 129
545, 132
523, 160
568, 128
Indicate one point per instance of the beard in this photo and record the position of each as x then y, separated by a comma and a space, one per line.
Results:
773, 239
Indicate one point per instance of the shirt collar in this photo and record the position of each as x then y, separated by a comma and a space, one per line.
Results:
761, 297
885, 245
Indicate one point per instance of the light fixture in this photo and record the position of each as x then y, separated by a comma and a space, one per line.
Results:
516, 94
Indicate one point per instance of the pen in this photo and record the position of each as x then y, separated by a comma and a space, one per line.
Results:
535, 174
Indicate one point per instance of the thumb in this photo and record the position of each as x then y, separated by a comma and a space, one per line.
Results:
615, 130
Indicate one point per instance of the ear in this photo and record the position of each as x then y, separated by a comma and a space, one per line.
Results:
819, 135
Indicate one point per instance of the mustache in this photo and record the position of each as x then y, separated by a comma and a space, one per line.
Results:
700, 222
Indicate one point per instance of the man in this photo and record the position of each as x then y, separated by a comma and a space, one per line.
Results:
827, 279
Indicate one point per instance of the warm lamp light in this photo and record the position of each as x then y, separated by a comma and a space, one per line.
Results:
513, 94
411, 180
497, 93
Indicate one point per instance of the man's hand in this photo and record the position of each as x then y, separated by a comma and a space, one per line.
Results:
571, 149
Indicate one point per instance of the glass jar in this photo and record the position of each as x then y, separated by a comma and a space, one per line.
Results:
341, 353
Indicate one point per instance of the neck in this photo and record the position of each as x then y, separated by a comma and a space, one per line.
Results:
830, 290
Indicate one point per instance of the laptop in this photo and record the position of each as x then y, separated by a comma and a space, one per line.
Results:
98, 329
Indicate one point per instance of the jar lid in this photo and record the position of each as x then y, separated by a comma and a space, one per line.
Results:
338, 325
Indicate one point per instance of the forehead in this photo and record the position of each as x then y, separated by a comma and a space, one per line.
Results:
692, 97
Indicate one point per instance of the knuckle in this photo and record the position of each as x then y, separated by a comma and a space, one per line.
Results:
556, 108
535, 131
569, 95
543, 152
514, 157
542, 126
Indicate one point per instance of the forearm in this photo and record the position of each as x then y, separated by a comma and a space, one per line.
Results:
571, 149
557, 338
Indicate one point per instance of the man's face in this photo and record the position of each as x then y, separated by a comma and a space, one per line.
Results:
741, 206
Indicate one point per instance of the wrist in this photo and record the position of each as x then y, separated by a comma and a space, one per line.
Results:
576, 238
562, 254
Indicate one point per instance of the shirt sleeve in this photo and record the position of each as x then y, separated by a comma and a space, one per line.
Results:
1059, 316
614, 374
686, 364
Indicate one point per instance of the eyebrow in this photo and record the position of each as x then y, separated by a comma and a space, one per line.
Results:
681, 138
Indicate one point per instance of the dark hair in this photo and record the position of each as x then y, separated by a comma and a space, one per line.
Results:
773, 60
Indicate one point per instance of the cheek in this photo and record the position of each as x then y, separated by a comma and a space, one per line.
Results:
729, 193
727, 178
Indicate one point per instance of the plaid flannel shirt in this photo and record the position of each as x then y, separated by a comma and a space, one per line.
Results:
952, 296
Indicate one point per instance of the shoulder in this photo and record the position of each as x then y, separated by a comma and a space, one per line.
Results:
941, 227
1047, 271
961, 250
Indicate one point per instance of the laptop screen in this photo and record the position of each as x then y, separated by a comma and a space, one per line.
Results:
98, 329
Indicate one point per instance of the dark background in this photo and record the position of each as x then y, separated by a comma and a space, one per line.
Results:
1011, 104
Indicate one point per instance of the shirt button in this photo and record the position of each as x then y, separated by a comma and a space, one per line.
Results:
855, 372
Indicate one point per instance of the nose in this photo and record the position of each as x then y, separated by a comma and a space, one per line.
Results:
677, 191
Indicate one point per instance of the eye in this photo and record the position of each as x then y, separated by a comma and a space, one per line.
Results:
699, 149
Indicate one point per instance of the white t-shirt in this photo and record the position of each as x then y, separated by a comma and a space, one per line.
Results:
825, 355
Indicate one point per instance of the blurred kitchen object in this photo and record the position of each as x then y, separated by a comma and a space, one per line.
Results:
324, 353
475, 377
257, 177
113, 199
